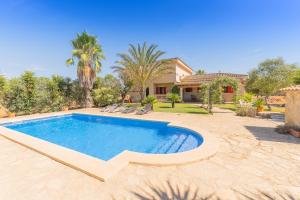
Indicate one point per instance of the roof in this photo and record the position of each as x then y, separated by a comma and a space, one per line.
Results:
183, 64
292, 88
205, 78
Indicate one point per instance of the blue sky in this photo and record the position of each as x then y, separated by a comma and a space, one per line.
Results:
226, 35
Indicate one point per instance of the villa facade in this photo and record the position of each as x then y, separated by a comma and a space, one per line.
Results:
181, 75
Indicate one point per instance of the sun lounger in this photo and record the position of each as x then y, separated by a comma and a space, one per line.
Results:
144, 110
129, 110
113, 108
104, 109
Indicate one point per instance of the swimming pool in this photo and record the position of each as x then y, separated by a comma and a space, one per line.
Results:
105, 137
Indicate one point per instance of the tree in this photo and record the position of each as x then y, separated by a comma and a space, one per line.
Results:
212, 92
3, 85
142, 64
29, 91
88, 54
296, 77
103, 96
125, 85
269, 77
173, 97
111, 82
200, 72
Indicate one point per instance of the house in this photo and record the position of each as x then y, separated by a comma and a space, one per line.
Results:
189, 84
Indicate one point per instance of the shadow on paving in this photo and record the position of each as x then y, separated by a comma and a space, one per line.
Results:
269, 134
171, 191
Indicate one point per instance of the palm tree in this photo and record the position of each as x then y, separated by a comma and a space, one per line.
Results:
88, 55
142, 64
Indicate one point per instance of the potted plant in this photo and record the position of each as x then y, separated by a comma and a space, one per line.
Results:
259, 104
65, 108
11, 114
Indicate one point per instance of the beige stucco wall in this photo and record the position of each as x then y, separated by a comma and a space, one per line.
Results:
181, 72
292, 110
167, 79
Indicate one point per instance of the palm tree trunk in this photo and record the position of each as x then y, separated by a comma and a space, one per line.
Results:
88, 98
266, 100
142, 96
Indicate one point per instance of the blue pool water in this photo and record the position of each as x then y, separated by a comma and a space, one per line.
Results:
105, 137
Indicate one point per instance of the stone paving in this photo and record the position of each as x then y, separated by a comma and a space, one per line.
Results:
252, 157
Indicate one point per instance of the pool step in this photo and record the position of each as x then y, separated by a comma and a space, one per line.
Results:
188, 144
177, 144
161, 148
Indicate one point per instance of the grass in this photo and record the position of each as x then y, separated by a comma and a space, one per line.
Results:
232, 107
228, 106
179, 108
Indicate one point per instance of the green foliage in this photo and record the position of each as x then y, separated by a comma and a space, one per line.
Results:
149, 99
142, 64
296, 76
246, 97
3, 88
21, 94
14, 98
175, 89
110, 82
29, 91
269, 77
125, 85
173, 98
211, 93
259, 103
200, 72
88, 54
103, 96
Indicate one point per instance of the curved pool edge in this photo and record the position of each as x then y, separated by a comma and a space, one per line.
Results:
101, 169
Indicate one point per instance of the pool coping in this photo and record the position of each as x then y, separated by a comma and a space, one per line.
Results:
101, 169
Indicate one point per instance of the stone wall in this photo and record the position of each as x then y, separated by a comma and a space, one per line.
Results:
292, 113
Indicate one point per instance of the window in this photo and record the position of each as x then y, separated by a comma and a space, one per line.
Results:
188, 89
161, 90
228, 89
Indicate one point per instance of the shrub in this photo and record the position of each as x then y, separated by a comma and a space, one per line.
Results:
247, 97
29, 91
248, 111
103, 96
173, 98
175, 89
14, 98
149, 99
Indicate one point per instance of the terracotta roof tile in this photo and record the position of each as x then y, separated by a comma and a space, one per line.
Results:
198, 79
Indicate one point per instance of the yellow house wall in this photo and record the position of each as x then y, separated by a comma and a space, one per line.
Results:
292, 110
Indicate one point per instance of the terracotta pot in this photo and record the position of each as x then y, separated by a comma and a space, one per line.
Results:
294, 133
260, 109
65, 108
11, 114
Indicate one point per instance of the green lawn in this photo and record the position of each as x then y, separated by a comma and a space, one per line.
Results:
179, 108
229, 106
233, 107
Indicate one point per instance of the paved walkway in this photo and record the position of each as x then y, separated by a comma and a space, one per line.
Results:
251, 157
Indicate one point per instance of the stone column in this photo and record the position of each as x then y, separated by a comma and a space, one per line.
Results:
181, 93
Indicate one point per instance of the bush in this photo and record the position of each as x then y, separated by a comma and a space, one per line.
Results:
14, 98
103, 96
149, 99
247, 97
173, 98
248, 111
175, 89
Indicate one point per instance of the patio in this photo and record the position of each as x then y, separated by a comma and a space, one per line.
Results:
251, 157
